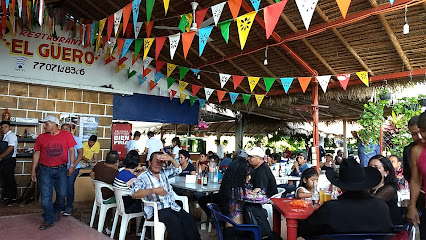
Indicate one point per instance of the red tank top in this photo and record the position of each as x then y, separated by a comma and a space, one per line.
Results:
421, 164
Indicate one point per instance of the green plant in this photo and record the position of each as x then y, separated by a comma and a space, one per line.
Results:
371, 120
225, 142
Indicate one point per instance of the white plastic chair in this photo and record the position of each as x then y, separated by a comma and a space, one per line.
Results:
99, 202
268, 206
125, 217
159, 227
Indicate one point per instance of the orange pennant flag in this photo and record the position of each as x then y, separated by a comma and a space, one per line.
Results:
187, 41
120, 43
220, 95
152, 85
343, 6
126, 15
148, 27
304, 82
146, 71
234, 6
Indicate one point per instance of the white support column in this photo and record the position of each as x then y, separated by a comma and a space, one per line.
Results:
345, 141
239, 133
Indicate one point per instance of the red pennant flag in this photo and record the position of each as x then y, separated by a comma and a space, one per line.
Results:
104, 41
195, 89
126, 15
199, 16
120, 43
237, 80
158, 65
12, 8
148, 28
304, 82
129, 29
152, 85
271, 16
234, 6
187, 41
81, 32
220, 95
4, 7
146, 71
135, 59
88, 35
159, 43
172, 94
110, 26
122, 60
110, 59
344, 79
70, 24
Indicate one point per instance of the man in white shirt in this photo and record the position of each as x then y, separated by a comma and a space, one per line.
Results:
8, 163
152, 145
132, 144
219, 151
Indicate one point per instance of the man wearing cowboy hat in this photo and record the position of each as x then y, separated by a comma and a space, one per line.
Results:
355, 211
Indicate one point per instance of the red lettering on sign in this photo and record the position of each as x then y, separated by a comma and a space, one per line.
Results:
37, 35
44, 50
55, 55
26, 50
89, 57
61, 39
66, 54
30, 34
77, 54
17, 46
23, 32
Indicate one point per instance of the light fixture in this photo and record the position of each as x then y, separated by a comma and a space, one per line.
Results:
265, 62
198, 77
194, 6
406, 28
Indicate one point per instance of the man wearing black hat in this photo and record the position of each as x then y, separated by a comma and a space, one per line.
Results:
355, 211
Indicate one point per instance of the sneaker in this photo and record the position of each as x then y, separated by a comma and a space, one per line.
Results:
46, 226
67, 214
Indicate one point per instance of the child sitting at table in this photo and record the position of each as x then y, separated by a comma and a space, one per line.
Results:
307, 182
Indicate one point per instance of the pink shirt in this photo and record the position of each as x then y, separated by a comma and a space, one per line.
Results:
421, 164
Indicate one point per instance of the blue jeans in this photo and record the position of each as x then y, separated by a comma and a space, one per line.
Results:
70, 190
50, 178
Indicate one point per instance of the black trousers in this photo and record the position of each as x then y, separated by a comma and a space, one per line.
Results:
7, 171
213, 198
180, 225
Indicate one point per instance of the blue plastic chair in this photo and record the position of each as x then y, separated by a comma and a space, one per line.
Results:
354, 236
218, 217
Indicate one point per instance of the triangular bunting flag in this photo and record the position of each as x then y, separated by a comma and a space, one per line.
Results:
182, 72
217, 11
157, 77
146, 71
120, 44
237, 80
271, 15
110, 26
224, 29
391, 1
170, 68
141, 79
195, 89
149, 7
255, 4
182, 85
101, 29
268, 83
304, 82
363, 76
40, 14
323, 81
223, 79
187, 41
166, 6
306, 10
246, 98
203, 36
20, 8
259, 99
138, 46
158, 65
208, 92
159, 43
147, 61
192, 100
170, 81
117, 20
134, 59
148, 28
174, 42
286, 82
195, 71
202, 102
130, 73
220, 95
343, 6
233, 96
183, 23
137, 28
344, 79
135, 10
147, 43
172, 94
152, 85
126, 16
182, 97
244, 24
234, 6
253, 82
199, 16
126, 46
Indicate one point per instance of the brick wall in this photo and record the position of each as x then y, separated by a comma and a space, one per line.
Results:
35, 101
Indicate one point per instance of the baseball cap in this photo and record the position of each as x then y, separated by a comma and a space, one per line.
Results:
50, 118
256, 151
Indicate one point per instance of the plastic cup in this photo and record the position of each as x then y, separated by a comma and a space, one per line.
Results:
321, 197
327, 196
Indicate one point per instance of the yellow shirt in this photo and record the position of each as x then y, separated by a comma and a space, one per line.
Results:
89, 151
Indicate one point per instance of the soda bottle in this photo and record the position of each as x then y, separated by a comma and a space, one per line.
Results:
205, 178
315, 195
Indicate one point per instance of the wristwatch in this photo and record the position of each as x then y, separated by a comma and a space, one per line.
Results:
72, 165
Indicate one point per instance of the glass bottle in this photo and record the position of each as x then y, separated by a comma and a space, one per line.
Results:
205, 178
315, 195
6, 115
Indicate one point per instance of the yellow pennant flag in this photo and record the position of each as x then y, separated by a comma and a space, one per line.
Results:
244, 23
189, 19
166, 6
363, 76
182, 86
182, 97
170, 68
147, 42
253, 82
259, 99
101, 29
120, 67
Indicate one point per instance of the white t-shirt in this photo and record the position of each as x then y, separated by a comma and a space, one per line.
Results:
131, 145
153, 145
302, 189
220, 152
11, 140
175, 151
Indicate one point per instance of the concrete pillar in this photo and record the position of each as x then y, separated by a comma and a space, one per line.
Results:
345, 140
239, 132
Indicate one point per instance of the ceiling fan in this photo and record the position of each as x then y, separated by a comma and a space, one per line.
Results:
206, 23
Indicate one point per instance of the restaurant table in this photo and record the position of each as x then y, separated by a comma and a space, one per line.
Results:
285, 179
179, 182
292, 214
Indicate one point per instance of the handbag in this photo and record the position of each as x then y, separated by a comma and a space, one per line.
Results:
254, 214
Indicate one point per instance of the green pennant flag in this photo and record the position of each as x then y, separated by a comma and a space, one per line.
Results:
182, 72
95, 31
149, 8
138, 46
170, 82
224, 28
277, 1
246, 98
183, 23
130, 73
192, 100
268, 83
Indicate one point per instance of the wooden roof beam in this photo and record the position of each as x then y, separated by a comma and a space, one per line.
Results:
81, 10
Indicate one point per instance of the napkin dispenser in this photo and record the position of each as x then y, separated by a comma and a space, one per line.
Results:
190, 178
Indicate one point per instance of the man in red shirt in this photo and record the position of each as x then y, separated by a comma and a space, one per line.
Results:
51, 150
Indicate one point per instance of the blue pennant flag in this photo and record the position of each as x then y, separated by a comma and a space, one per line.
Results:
203, 36
135, 10
126, 46
142, 80
195, 71
233, 96
158, 76
92, 31
7, 4
202, 102
286, 82
255, 4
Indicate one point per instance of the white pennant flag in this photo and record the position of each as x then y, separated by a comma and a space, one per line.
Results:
147, 61
208, 92
137, 29
223, 79
20, 8
174, 42
323, 81
112, 43
306, 10
217, 11
117, 20
41, 13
